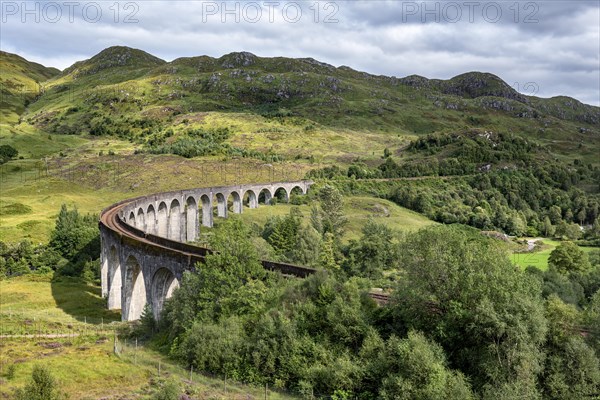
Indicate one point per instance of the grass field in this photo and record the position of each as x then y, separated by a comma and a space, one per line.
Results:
539, 259
84, 364
33, 144
357, 209
52, 304
303, 138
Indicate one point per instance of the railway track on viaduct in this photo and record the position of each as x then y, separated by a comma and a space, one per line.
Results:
145, 247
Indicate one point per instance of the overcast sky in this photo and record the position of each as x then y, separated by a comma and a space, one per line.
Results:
546, 48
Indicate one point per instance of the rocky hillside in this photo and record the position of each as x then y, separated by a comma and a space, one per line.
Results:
19, 84
113, 61
113, 91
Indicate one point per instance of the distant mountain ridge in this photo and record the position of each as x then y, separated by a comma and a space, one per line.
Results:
470, 85
108, 92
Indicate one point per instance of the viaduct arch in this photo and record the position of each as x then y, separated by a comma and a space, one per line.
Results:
145, 247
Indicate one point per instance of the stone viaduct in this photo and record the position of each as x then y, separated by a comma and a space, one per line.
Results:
145, 240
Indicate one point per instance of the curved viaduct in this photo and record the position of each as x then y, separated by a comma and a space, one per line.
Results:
145, 247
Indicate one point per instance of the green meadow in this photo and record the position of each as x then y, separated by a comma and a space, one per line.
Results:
84, 362
539, 257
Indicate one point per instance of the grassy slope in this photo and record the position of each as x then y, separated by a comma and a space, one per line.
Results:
52, 304
357, 209
302, 138
33, 144
20, 81
33, 301
42, 200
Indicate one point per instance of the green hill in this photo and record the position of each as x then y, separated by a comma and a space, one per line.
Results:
116, 59
132, 94
20, 83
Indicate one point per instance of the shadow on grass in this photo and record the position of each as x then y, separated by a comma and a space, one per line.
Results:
76, 297
81, 300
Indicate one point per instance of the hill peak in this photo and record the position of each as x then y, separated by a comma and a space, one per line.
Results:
477, 84
115, 56
237, 59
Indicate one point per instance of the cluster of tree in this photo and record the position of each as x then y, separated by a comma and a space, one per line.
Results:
24, 258
76, 121
477, 147
495, 322
192, 143
318, 244
202, 142
315, 245
445, 154
426, 167
42, 386
189, 147
514, 202
572, 274
463, 322
291, 240
74, 249
155, 138
509, 184
534, 202
329, 172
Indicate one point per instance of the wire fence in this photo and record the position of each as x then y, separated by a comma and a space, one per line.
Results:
219, 387
13, 327
130, 351
21, 322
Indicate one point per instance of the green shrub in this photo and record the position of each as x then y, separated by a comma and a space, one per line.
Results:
41, 387
168, 390
10, 371
7, 152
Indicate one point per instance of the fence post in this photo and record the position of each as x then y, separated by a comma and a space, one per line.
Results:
191, 372
115, 342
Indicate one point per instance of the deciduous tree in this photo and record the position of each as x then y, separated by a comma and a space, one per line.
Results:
567, 257
488, 316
